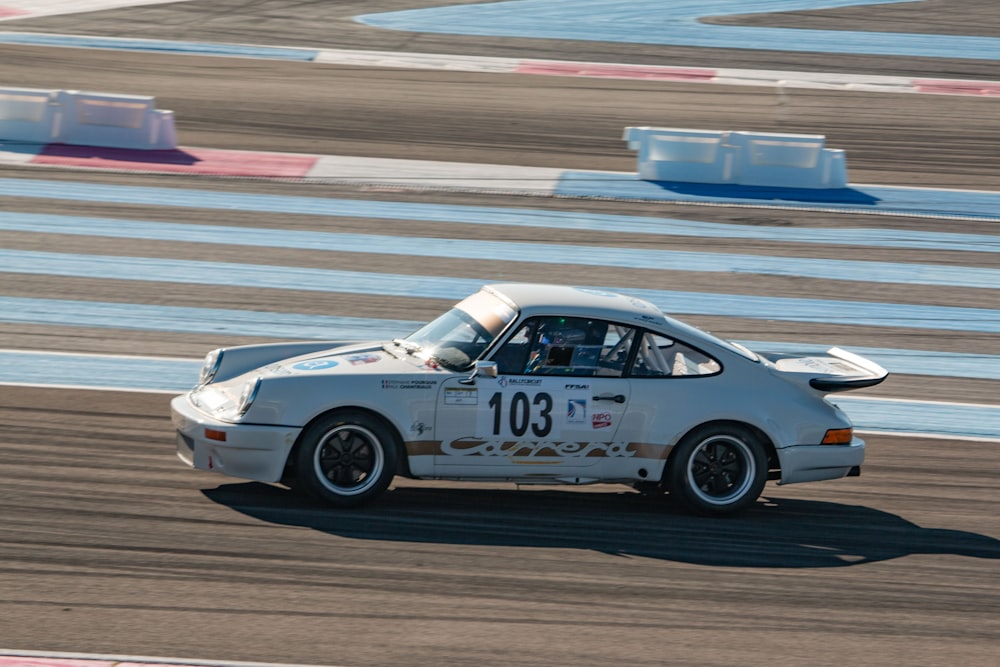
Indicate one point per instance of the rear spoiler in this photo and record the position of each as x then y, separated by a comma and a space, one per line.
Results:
839, 370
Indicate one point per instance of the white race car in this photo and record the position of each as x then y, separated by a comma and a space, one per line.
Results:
533, 384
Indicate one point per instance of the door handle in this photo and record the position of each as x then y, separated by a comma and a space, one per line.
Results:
617, 398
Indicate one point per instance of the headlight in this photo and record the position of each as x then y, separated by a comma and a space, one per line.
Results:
210, 367
247, 395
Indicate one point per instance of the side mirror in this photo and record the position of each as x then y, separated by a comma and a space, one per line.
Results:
485, 368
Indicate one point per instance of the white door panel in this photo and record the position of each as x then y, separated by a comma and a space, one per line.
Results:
524, 426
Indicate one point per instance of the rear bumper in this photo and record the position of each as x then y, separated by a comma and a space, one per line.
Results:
811, 463
247, 451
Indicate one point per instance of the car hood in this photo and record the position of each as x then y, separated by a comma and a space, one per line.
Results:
360, 359
221, 399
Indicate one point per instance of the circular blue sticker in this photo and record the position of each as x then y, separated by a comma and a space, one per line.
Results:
315, 365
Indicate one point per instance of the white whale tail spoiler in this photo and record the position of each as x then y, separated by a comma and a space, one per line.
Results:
839, 370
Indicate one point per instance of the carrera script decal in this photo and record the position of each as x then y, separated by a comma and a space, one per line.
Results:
541, 449
458, 448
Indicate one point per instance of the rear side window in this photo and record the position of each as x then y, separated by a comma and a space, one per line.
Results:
659, 356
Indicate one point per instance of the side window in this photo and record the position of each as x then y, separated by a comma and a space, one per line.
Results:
513, 356
614, 352
659, 356
566, 346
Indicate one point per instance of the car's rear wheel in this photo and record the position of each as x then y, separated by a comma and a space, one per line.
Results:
717, 470
346, 458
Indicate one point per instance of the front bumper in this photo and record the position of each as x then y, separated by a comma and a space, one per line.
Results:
811, 463
248, 451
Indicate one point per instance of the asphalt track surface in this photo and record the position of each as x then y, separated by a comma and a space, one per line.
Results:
109, 545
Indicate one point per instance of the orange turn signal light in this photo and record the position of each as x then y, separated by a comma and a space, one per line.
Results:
838, 436
213, 434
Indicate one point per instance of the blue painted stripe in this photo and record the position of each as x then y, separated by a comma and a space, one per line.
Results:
548, 253
675, 23
866, 199
77, 370
179, 319
644, 21
178, 375
509, 217
294, 326
892, 416
159, 46
355, 282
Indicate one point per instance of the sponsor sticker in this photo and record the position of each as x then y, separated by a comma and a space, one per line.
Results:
505, 381
600, 420
315, 365
576, 411
360, 359
409, 384
460, 396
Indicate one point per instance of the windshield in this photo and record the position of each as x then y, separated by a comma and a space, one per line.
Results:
461, 335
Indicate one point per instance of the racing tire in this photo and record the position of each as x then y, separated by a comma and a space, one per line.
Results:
346, 459
717, 470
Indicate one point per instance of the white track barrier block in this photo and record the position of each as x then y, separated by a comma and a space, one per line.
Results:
115, 121
34, 116
788, 160
672, 154
739, 158
28, 115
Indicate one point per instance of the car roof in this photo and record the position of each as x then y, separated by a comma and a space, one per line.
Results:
540, 299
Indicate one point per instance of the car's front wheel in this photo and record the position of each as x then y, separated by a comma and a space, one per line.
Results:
346, 459
718, 469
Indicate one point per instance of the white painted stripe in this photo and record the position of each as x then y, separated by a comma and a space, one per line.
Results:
432, 61
13, 153
928, 436
536, 180
949, 404
827, 79
93, 355
32, 8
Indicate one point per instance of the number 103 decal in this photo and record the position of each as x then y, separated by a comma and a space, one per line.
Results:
518, 414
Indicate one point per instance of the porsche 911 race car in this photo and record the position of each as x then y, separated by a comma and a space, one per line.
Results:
533, 384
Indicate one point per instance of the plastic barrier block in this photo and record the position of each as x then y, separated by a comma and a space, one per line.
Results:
787, 160
739, 158
28, 115
115, 121
674, 154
